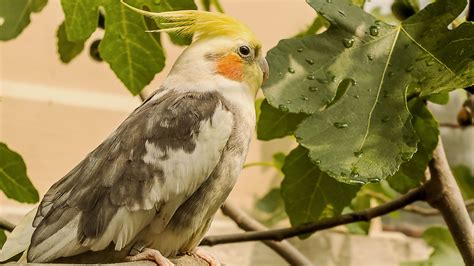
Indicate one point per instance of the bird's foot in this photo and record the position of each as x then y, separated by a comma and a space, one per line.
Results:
207, 256
151, 254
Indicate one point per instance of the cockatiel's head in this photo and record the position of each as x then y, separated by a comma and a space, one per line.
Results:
223, 48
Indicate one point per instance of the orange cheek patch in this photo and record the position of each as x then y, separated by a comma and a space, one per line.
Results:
230, 66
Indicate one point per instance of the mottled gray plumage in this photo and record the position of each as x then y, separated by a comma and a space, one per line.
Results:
115, 175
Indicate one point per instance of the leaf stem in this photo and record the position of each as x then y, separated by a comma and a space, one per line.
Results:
265, 164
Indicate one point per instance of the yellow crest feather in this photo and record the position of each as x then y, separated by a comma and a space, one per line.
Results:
201, 24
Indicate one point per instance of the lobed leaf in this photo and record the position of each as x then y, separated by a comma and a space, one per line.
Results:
15, 15
67, 50
14, 181
411, 173
310, 194
275, 123
353, 79
133, 54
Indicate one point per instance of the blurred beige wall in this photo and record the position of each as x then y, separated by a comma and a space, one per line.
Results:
54, 114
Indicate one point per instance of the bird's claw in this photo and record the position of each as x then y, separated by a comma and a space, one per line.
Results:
207, 256
152, 255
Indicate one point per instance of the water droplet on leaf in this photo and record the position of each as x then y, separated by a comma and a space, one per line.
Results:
341, 125
374, 180
313, 89
310, 61
390, 74
356, 182
311, 77
341, 12
288, 101
430, 63
348, 42
291, 70
283, 108
354, 174
300, 50
304, 98
374, 30
358, 154
323, 81
356, 96
406, 156
371, 57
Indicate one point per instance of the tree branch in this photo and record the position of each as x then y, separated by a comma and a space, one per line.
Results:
280, 234
247, 223
443, 193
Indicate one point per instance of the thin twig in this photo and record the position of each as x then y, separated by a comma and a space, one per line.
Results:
280, 234
6, 225
443, 193
247, 223
406, 229
451, 125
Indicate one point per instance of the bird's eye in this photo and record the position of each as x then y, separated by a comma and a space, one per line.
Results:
244, 50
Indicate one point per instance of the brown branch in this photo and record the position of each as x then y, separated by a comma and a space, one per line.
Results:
247, 223
6, 225
280, 234
443, 193
406, 229
451, 125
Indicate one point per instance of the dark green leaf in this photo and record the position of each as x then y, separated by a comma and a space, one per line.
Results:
206, 4
411, 173
81, 18
13, 179
445, 251
270, 202
67, 50
274, 123
3, 238
465, 179
133, 54
279, 159
310, 194
361, 67
318, 24
439, 98
360, 202
15, 16
258, 104
403, 9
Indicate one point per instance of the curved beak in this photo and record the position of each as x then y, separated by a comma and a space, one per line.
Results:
264, 67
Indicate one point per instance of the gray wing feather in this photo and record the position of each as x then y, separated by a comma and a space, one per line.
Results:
115, 175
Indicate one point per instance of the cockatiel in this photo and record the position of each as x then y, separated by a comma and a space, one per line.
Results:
151, 189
